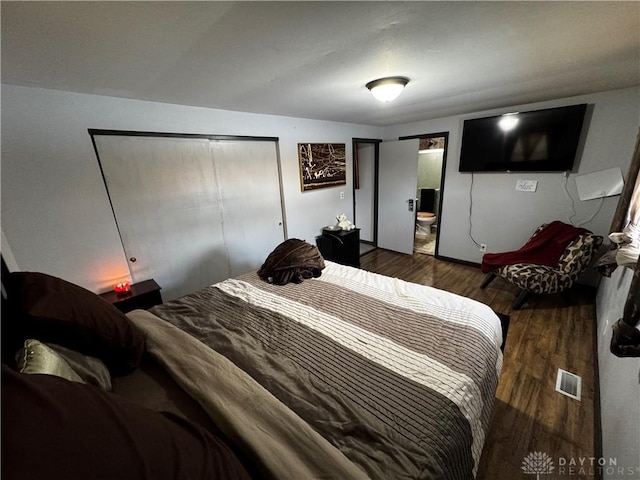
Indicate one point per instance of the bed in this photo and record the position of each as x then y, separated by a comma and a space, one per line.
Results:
347, 375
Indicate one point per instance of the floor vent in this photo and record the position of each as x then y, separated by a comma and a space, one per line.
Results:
568, 384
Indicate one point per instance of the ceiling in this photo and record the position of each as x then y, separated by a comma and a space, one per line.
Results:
313, 59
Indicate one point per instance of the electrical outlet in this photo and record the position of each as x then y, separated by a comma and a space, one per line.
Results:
483, 247
341, 195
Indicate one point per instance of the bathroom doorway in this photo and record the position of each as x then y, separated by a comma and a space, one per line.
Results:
365, 191
432, 156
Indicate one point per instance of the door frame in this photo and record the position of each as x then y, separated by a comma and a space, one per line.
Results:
356, 176
442, 175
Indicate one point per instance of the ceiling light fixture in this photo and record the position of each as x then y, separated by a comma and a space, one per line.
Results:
388, 88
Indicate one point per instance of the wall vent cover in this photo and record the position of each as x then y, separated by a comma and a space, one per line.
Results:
568, 384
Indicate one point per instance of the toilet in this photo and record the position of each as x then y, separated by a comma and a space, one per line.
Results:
424, 220
425, 216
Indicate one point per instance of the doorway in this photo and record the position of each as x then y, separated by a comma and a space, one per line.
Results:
430, 173
392, 204
365, 191
432, 154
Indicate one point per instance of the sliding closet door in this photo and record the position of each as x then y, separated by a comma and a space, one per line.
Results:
249, 191
192, 211
164, 197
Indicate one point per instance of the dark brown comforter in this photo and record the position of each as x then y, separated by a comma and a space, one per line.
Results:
292, 261
401, 385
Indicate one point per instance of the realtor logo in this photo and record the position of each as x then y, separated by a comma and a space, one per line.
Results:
537, 463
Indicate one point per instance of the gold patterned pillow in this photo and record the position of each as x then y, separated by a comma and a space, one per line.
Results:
37, 358
51, 359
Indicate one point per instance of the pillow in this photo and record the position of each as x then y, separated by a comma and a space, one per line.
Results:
53, 310
37, 357
91, 370
55, 429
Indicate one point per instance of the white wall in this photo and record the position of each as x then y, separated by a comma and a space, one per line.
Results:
619, 379
503, 218
429, 170
56, 215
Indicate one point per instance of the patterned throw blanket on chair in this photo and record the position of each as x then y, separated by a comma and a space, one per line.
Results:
544, 248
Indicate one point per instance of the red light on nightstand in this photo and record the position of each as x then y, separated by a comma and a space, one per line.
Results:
122, 288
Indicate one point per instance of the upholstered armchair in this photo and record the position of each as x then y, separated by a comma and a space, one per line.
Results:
533, 278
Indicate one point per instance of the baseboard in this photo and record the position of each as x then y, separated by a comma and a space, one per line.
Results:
457, 260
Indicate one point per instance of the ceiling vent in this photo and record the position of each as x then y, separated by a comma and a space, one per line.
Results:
568, 384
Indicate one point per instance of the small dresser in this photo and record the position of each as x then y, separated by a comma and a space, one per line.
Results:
340, 246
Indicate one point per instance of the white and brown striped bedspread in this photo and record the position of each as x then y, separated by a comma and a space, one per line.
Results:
399, 377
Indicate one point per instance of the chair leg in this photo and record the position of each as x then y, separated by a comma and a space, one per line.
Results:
522, 298
488, 279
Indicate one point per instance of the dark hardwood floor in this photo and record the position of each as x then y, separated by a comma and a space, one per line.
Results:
546, 334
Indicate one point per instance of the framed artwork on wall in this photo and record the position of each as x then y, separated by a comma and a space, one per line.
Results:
322, 165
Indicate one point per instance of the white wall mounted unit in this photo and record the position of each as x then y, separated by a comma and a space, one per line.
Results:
604, 183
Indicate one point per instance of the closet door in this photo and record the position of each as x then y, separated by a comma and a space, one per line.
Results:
177, 207
249, 192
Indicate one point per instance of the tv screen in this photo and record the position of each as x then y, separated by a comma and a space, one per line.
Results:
537, 141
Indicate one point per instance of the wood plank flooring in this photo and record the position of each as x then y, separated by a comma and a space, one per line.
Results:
529, 415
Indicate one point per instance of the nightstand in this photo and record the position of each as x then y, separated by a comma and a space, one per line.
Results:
341, 246
143, 295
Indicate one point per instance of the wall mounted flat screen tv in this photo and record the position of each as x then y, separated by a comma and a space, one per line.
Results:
537, 141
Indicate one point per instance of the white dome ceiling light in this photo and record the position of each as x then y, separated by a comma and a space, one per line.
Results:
388, 88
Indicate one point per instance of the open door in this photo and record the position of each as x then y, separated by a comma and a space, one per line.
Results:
397, 183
